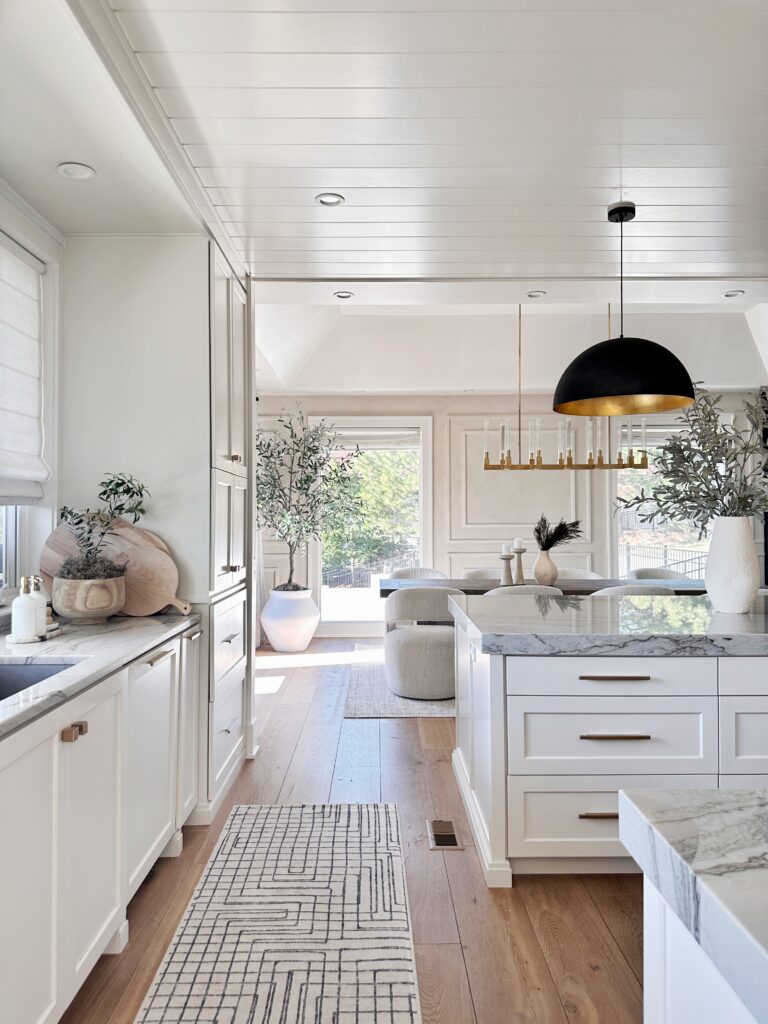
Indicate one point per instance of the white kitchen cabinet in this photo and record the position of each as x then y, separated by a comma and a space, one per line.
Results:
229, 365
150, 736
91, 894
229, 501
224, 727
28, 864
61, 854
744, 735
189, 703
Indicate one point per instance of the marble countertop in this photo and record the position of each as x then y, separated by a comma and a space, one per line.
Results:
675, 626
92, 653
706, 851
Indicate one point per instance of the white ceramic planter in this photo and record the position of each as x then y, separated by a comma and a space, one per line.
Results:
732, 575
544, 569
290, 618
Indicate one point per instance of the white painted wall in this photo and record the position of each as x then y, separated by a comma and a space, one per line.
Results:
134, 383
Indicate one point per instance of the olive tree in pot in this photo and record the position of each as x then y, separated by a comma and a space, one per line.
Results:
302, 481
90, 586
714, 472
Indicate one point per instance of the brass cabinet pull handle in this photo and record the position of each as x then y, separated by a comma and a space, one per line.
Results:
194, 636
598, 815
159, 658
230, 638
235, 458
231, 568
614, 736
615, 679
70, 734
82, 728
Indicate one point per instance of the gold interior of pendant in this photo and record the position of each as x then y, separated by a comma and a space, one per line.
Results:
624, 405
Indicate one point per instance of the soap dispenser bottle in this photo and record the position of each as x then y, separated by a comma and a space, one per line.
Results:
24, 615
41, 605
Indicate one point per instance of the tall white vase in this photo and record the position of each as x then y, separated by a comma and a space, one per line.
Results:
732, 575
290, 618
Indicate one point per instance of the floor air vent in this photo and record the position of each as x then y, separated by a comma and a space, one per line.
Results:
442, 836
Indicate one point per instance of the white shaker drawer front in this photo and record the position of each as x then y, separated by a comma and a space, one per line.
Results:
561, 735
743, 676
229, 629
228, 721
578, 815
743, 735
605, 677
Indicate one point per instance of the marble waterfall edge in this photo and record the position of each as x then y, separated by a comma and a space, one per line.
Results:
706, 852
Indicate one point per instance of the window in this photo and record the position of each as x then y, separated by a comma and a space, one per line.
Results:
669, 545
22, 468
389, 474
7, 545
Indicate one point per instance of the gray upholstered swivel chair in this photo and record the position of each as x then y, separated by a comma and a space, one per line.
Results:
481, 574
418, 643
419, 572
658, 573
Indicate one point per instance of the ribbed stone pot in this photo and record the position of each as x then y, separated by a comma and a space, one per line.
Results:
732, 575
88, 601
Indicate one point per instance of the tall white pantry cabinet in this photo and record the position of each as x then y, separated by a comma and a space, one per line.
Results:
156, 380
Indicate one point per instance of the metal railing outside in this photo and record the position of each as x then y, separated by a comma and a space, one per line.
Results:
360, 575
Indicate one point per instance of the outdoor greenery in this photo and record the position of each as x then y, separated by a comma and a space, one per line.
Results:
123, 497
386, 484
303, 483
708, 468
550, 536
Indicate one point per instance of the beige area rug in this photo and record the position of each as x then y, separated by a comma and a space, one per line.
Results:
370, 697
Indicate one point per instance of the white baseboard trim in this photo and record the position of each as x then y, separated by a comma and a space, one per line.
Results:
118, 942
573, 866
174, 846
206, 811
498, 873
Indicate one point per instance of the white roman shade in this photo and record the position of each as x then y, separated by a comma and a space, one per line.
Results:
22, 468
370, 438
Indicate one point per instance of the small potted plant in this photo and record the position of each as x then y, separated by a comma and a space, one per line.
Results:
711, 471
302, 481
90, 586
547, 537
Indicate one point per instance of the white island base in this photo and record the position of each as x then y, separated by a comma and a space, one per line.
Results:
545, 740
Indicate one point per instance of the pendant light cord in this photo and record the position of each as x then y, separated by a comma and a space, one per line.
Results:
621, 280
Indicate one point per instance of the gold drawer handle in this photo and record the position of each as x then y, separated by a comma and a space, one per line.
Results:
235, 458
230, 638
598, 815
72, 733
231, 568
193, 636
159, 658
615, 679
614, 736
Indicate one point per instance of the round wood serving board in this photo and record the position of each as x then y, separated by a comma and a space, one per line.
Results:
151, 577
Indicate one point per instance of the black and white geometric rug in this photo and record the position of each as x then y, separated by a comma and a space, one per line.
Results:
301, 917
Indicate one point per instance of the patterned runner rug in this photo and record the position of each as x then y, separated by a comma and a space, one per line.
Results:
301, 917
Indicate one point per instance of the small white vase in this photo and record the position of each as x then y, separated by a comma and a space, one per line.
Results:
290, 618
732, 575
544, 569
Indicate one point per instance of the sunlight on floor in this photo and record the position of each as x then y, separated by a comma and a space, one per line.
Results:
267, 684
311, 659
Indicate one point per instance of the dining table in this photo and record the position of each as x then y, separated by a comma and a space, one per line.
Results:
582, 587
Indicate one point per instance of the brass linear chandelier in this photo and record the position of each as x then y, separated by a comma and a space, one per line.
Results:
595, 454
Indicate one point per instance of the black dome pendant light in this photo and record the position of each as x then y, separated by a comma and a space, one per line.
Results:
623, 376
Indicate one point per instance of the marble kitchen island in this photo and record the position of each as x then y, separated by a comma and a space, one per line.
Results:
704, 856
562, 702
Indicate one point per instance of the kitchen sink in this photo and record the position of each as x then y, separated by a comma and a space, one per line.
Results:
16, 677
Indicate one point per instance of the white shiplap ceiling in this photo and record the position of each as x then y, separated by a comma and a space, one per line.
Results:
471, 140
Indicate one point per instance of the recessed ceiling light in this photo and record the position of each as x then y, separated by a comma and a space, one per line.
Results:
344, 295
329, 199
69, 169
735, 293
536, 294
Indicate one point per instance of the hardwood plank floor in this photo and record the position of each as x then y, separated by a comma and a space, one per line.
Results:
553, 950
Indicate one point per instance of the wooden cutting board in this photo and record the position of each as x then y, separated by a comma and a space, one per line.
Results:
151, 578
